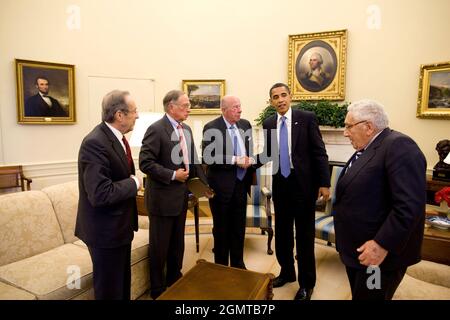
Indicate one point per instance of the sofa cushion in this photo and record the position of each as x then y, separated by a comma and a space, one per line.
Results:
431, 272
139, 246
46, 275
28, 226
415, 289
8, 292
324, 225
64, 198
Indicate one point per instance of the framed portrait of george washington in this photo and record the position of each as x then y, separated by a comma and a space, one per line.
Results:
204, 95
45, 92
317, 63
434, 91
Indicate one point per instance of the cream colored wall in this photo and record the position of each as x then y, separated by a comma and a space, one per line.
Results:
244, 42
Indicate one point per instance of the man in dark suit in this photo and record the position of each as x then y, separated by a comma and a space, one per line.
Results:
41, 104
107, 213
169, 159
380, 203
226, 147
300, 175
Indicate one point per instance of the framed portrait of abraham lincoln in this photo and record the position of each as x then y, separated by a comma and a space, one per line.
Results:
45, 92
317, 64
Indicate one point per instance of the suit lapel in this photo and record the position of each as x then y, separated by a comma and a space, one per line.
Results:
360, 164
228, 144
244, 137
116, 146
170, 131
295, 129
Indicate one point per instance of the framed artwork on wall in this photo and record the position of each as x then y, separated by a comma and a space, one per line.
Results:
317, 63
204, 95
434, 91
45, 92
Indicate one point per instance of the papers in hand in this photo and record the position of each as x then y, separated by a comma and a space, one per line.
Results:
197, 187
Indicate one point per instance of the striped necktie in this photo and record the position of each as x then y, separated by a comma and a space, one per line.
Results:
354, 158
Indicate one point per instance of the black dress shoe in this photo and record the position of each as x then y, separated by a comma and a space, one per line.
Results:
303, 294
281, 281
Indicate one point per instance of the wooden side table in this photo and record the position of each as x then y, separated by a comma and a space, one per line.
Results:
210, 281
436, 245
192, 204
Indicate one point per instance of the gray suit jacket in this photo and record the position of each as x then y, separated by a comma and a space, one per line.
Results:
159, 157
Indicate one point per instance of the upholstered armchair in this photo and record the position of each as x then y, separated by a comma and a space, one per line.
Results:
324, 223
259, 205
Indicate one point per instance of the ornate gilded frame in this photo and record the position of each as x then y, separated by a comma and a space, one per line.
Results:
434, 91
210, 92
61, 78
328, 84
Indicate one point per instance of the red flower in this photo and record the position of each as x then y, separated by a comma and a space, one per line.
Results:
443, 195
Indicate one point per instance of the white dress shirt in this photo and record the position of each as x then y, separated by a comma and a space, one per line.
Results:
46, 99
239, 139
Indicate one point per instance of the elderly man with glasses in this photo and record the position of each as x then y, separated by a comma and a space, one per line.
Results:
380, 203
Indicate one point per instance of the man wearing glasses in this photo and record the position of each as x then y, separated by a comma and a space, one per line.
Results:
169, 159
380, 203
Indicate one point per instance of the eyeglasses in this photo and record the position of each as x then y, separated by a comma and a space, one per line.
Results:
349, 126
182, 106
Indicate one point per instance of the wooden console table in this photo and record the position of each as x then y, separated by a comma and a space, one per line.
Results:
436, 245
192, 204
210, 281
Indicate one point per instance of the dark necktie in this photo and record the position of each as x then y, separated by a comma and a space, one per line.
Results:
285, 163
240, 173
354, 158
129, 157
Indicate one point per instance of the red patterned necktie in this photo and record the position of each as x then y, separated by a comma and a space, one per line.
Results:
129, 158
183, 146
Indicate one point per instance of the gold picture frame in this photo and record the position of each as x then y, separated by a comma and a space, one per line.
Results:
45, 92
434, 91
317, 65
204, 95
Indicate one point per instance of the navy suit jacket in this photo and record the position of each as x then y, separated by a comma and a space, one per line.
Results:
382, 198
217, 144
107, 212
35, 106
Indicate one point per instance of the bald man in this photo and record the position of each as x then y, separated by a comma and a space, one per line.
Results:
226, 147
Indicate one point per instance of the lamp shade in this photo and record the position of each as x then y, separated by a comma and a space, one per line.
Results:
141, 125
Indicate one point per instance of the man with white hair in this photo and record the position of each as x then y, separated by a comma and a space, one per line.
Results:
380, 203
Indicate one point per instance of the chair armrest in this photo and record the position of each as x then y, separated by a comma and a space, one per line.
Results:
28, 180
266, 192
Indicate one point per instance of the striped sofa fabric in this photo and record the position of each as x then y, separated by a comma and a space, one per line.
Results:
324, 224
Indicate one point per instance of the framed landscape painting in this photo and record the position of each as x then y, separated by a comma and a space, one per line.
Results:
434, 91
204, 95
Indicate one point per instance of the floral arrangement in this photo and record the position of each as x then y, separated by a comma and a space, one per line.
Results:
443, 195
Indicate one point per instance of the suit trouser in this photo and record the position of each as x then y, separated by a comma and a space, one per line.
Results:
166, 250
389, 282
229, 216
111, 272
291, 208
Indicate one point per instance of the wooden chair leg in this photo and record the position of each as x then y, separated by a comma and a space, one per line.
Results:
269, 239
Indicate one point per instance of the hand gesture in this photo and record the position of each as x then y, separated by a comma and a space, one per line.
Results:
181, 175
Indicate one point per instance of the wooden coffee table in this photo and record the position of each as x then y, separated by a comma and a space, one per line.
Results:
210, 281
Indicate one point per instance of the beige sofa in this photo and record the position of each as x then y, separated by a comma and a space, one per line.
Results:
40, 258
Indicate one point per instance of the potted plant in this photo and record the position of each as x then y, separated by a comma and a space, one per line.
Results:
330, 114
